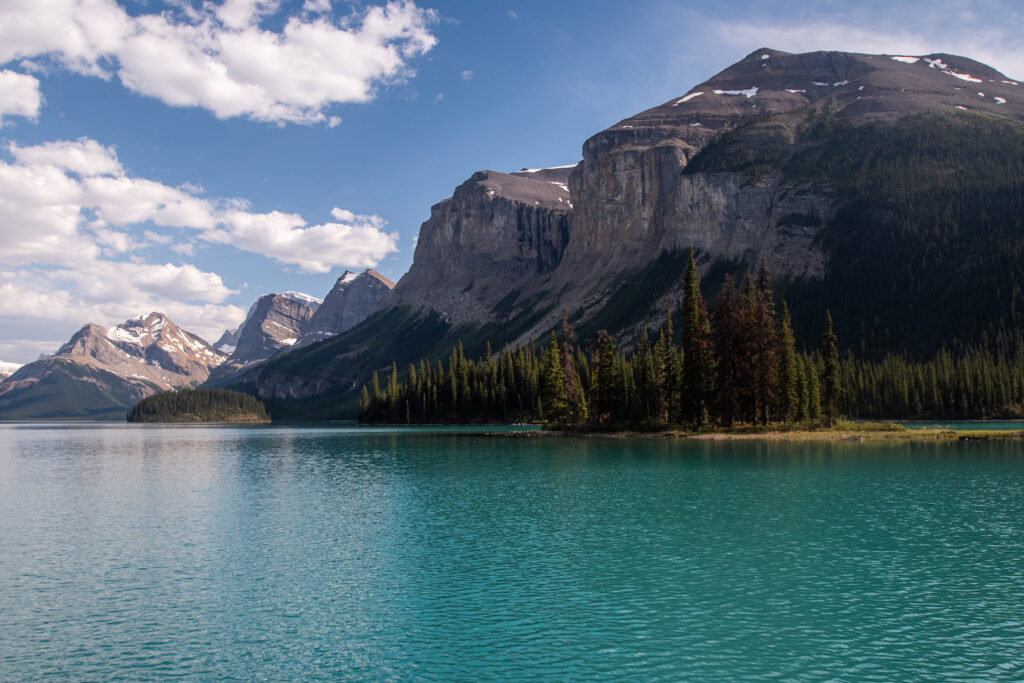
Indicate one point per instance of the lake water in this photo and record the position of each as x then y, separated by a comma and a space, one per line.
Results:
276, 553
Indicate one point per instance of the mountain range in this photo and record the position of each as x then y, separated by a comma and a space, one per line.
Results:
884, 188
102, 371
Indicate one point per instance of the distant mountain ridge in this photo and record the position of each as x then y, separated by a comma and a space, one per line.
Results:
279, 322
101, 371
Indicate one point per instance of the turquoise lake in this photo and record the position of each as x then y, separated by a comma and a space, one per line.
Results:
223, 553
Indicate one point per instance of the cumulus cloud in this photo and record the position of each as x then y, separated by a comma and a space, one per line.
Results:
219, 56
77, 224
357, 239
65, 201
19, 95
44, 302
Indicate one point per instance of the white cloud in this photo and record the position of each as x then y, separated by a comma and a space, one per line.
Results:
83, 157
218, 57
439, 97
512, 14
238, 14
356, 239
71, 214
19, 95
467, 75
317, 6
66, 201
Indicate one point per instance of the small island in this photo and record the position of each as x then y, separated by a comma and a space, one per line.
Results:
199, 405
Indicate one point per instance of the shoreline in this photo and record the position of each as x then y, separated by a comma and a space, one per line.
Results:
847, 435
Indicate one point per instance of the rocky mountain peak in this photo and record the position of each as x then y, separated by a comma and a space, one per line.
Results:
112, 366
274, 322
353, 297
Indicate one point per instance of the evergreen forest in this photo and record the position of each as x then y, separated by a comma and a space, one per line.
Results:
199, 405
737, 363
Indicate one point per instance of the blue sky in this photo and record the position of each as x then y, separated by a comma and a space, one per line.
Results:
190, 155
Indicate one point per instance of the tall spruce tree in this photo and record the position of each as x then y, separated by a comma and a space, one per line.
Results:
813, 391
697, 361
832, 387
789, 388
671, 369
575, 399
764, 345
553, 399
726, 326
609, 403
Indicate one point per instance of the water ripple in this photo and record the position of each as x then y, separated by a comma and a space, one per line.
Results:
276, 553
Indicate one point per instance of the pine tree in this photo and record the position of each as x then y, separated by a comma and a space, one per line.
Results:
764, 345
832, 386
789, 394
554, 401
803, 413
697, 364
576, 401
609, 402
672, 369
813, 392
728, 348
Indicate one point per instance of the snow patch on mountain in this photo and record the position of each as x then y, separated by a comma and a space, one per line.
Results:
749, 92
687, 98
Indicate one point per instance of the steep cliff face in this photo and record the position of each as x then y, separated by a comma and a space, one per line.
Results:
274, 323
635, 194
497, 230
350, 301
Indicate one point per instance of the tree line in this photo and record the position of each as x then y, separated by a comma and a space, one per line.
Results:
738, 363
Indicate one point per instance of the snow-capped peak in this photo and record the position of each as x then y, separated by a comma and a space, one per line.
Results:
302, 297
133, 330
347, 277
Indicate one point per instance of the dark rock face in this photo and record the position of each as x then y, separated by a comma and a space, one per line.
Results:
103, 370
350, 301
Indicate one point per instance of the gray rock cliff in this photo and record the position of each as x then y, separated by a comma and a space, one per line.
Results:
353, 298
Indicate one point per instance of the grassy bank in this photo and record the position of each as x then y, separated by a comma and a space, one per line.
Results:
844, 431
